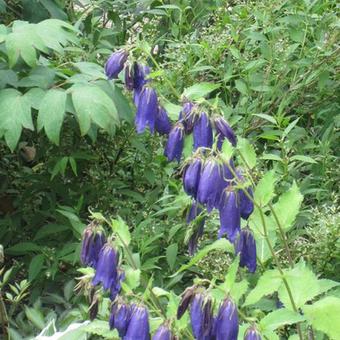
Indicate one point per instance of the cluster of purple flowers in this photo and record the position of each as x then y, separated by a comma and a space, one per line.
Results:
205, 326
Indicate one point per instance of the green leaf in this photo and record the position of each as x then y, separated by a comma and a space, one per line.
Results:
303, 158
51, 114
288, 206
35, 316
15, 114
230, 278
268, 283
264, 190
93, 105
290, 127
280, 318
132, 278
35, 266
22, 248
271, 157
122, 230
171, 254
222, 244
247, 151
241, 86
324, 316
199, 90
266, 117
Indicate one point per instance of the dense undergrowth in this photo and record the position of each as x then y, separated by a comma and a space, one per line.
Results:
70, 154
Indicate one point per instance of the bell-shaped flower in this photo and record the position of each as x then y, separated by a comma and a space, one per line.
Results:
174, 147
186, 116
116, 286
138, 327
115, 64
93, 241
193, 215
107, 267
246, 203
129, 77
226, 325
191, 177
252, 334
186, 299
246, 246
224, 131
210, 184
140, 73
203, 135
147, 110
120, 317
163, 333
162, 123
230, 219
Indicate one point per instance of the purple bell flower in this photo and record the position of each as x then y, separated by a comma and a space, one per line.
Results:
129, 78
246, 204
106, 269
224, 131
93, 241
162, 333
162, 123
174, 147
186, 299
227, 321
230, 219
116, 286
246, 246
252, 334
140, 72
210, 184
186, 116
147, 110
115, 64
138, 327
203, 136
191, 177
194, 212
120, 317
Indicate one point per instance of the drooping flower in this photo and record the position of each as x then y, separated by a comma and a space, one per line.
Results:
226, 326
210, 184
140, 72
116, 286
162, 333
93, 241
246, 246
186, 116
106, 269
230, 219
138, 327
147, 110
120, 317
191, 177
246, 204
224, 131
194, 212
252, 334
129, 77
115, 64
203, 136
186, 299
162, 123
174, 147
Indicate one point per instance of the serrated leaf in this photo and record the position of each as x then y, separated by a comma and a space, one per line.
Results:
280, 318
132, 278
264, 190
93, 105
247, 151
200, 90
122, 230
51, 114
324, 316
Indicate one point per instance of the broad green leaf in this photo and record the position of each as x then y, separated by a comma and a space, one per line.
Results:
290, 127
231, 275
303, 284
266, 117
15, 114
93, 105
241, 86
287, 207
272, 157
280, 318
200, 90
221, 244
247, 151
35, 266
51, 114
268, 283
23, 248
323, 315
325, 285
171, 254
264, 190
239, 289
172, 109
122, 230
132, 278
303, 158
35, 316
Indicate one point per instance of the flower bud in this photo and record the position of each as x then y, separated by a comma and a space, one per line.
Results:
115, 64
129, 79
246, 246
120, 317
227, 321
246, 204
252, 334
138, 327
186, 116
230, 219
194, 212
187, 296
224, 131
203, 136
147, 110
174, 147
162, 123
